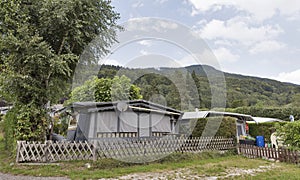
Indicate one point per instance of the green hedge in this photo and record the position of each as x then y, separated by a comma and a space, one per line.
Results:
227, 128
290, 134
9, 125
264, 129
272, 112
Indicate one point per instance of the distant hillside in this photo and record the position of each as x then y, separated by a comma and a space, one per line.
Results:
241, 90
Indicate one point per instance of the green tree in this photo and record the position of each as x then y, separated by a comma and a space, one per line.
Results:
105, 90
296, 100
39, 48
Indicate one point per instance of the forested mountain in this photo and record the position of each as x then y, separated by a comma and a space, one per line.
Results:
171, 86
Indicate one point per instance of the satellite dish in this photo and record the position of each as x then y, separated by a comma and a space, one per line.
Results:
122, 106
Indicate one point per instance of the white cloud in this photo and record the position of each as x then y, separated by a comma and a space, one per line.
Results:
266, 46
112, 62
152, 60
194, 12
137, 4
293, 77
149, 25
223, 43
240, 31
168, 25
260, 10
161, 1
147, 43
225, 55
202, 22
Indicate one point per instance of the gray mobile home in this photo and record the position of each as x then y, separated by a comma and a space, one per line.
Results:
123, 119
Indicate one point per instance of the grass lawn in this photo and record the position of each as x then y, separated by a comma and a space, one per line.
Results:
174, 166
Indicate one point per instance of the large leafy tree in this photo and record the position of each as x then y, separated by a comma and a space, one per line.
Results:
40, 45
106, 90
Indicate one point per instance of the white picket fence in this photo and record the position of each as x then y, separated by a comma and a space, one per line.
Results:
117, 148
48, 151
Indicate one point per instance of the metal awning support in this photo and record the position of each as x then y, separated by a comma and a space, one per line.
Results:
154, 110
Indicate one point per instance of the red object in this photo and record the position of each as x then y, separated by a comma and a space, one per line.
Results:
247, 127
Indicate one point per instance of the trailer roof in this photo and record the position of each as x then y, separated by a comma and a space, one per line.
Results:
123, 104
205, 114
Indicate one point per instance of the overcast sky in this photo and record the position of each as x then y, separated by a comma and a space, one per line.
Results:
259, 38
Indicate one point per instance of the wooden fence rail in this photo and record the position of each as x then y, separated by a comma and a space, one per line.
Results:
281, 154
31, 151
117, 148
157, 147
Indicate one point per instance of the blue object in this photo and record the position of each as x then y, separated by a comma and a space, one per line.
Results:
260, 141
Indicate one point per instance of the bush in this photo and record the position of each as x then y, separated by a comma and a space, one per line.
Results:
24, 122
9, 124
290, 134
227, 128
61, 123
264, 129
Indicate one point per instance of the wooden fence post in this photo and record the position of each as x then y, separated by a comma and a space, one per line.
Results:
47, 151
238, 148
18, 150
94, 150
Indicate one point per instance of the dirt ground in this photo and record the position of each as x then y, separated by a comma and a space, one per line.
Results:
182, 174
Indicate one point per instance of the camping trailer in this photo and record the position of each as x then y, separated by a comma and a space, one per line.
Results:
123, 119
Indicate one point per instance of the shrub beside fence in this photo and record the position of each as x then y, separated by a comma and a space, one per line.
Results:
117, 148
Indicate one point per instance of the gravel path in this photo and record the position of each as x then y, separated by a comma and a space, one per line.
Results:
13, 177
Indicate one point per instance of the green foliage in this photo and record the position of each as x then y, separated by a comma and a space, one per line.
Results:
175, 89
24, 123
61, 123
252, 91
227, 127
121, 88
31, 123
10, 124
85, 92
264, 129
296, 100
105, 90
290, 134
241, 91
39, 49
